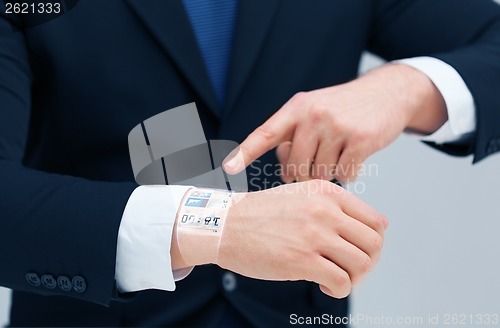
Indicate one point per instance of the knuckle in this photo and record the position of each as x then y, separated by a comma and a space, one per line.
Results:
336, 124
314, 210
266, 132
309, 232
319, 112
379, 223
342, 282
361, 136
342, 126
299, 98
366, 265
377, 243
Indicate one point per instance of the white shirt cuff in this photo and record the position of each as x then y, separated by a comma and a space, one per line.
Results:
143, 249
457, 96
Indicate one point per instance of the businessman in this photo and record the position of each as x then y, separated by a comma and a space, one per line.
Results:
76, 228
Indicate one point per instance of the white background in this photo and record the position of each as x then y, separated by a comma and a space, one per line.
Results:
441, 255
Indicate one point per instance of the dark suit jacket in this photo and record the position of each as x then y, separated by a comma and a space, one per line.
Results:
73, 86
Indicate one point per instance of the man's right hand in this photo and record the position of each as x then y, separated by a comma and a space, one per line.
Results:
314, 231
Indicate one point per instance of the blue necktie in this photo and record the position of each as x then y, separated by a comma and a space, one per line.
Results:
213, 24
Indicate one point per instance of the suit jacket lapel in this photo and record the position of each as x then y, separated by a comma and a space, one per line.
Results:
253, 22
168, 24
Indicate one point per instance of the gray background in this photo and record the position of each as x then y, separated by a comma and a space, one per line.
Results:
441, 255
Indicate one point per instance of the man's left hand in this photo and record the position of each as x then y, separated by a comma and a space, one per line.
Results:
328, 133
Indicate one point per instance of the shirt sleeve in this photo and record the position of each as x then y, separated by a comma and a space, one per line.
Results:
460, 105
143, 248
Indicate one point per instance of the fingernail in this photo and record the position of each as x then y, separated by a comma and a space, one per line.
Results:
386, 221
233, 165
286, 179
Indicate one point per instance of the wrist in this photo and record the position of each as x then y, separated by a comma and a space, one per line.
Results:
420, 104
196, 249
421, 99
234, 226
199, 225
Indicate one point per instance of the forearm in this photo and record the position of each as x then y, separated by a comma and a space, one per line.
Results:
59, 225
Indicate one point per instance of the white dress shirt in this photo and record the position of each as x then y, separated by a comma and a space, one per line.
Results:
143, 250
459, 102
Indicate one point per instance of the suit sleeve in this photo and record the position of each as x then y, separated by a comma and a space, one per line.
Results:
463, 33
53, 227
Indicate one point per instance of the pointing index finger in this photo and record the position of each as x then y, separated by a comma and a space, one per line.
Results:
277, 129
